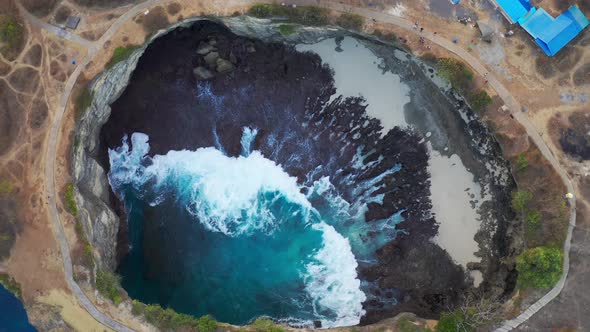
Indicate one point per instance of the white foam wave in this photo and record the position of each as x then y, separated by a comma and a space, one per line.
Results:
237, 195
331, 280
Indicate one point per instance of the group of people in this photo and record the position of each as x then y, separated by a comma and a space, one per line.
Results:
422, 40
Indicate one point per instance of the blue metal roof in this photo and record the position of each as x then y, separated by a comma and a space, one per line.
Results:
552, 34
515, 9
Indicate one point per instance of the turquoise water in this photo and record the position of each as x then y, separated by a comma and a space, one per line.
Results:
13, 316
238, 238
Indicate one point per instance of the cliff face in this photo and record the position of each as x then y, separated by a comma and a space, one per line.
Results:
96, 214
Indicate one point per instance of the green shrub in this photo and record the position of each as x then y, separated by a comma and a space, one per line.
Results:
137, 308
351, 21
539, 267
263, 324
520, 200
12, 37
457, 73
108, 285
453, 322
121, 53
306, 15
6, 187
287, 29
70, 199
479, 100
83, 102
207, 324
261, 10
521, 162
533, 219
11, 285
168, 319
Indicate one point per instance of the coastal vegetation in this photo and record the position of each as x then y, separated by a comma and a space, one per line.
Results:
11, 285
264, 324
350, 21
521, 162
168, 319
475, 313
462, 79
83, 101
287, 29
6, 187
70, 200
108, 285
307, 15
12, 36
121, 53
539, 267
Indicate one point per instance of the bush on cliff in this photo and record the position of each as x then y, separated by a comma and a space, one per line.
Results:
479, 100
351, 21
83, 101
457, 73
70, 200
539, 267
263, 324
11, 285
168, 319
121, 53
108, 285
307, 15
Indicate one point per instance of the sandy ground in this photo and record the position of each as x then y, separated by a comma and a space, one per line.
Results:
35, 261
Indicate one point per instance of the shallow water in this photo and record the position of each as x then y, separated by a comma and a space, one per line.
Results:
13, 316
454, 190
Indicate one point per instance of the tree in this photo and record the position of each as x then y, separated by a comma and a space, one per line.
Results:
533, 219
539, 267
479, 100
207, 324
521, 162
520, 200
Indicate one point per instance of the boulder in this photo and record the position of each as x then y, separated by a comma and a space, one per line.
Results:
224, 66
205, 48
211, 59
202, 73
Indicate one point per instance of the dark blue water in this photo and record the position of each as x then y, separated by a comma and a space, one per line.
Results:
13, 316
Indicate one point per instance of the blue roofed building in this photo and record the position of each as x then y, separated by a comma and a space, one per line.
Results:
552, 34
513, 10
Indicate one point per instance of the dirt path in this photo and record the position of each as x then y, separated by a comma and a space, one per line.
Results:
51, 152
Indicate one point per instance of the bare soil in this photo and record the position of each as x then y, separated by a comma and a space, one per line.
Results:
11, 117
34, 56
24, 79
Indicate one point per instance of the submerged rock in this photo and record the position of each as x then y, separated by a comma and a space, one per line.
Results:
224, 66
202, 73
211, 59
205, 48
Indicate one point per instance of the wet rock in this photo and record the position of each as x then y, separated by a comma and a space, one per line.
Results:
211, 59
202, 73
232, 58
205, 48
224, 66
474, 266
250, 49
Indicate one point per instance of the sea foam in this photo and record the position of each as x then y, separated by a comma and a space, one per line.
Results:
240, 196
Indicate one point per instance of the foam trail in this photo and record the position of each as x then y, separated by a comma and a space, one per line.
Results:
248, 137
